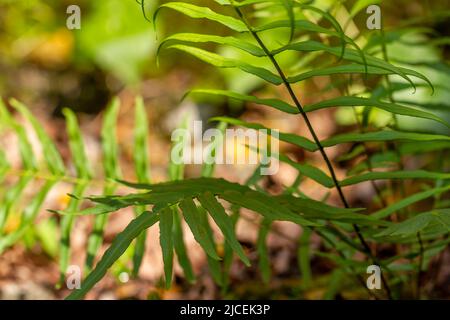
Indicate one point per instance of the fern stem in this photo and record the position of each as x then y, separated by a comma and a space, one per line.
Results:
60, 178
299, 107
297, 103
419, 269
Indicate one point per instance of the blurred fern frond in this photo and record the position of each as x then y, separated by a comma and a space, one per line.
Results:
267, 48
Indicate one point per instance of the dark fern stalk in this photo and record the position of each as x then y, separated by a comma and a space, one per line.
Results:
297, 103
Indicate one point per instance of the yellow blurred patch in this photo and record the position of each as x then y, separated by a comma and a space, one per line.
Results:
314, 294
238, 150
13, 223
54, 49
63, 200
220, 249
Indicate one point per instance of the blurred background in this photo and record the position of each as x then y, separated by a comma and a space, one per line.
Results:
49, 67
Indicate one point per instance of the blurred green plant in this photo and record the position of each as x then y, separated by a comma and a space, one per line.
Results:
108, 31
116, 38
360, 69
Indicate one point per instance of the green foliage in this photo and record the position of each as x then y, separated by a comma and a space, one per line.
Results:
345, 231
109, 30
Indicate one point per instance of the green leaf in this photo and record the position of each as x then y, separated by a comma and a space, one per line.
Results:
243, 3
166, 242
214, 265
99, 209
4, 165
334, 284
191, 216
380, 214
51, 154
286, 137
142, 169
28, 217
204, 38
109, 141
139, 247
198, 12
414, 174
112, 171
263, 251
12, 196
421, 147
303, 256
387, 106
189, 186
208, 168
66, 225
385, 135
140, 152
223, 221
114, 252
417, 223
289, 6
309, 171
180, 248
346, 69
221, 62
351, 55
304, 25
76, 145
176, 170
5, 116
228, 254
338, 29
317, 210
95, 239
25, 149
339, 32
267, 206
46, 233
274, 103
